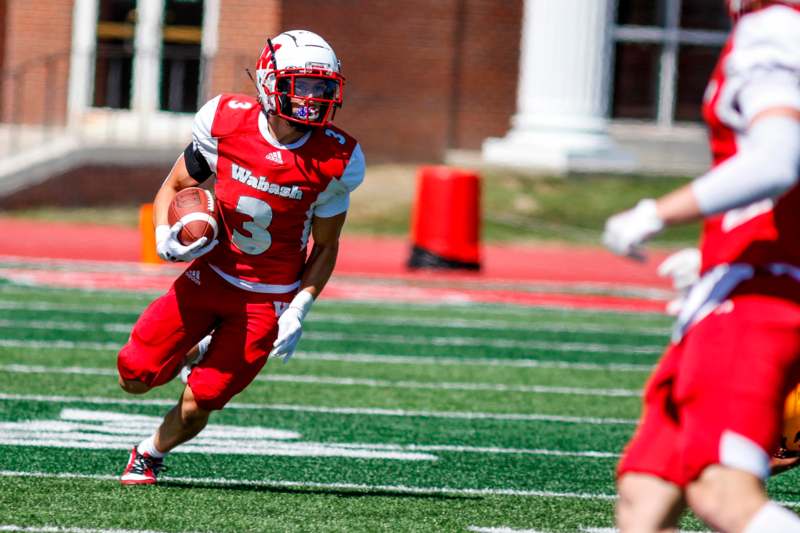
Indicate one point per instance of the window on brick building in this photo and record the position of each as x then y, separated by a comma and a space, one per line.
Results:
113, 65
664, 52
181, 58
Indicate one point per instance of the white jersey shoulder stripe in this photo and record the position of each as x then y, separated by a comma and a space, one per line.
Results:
335, 199
201, 132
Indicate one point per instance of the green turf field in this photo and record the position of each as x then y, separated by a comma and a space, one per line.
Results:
391, 417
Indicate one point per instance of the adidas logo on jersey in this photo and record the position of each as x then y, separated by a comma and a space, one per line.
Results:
193, 275
261, 183
275, 157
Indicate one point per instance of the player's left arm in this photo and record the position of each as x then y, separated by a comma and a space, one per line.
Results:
317, 272
766, 168
322, 258
326, 226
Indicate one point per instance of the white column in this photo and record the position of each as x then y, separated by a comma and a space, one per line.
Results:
209, 46
562, 93
210, 42
81, 70
147, 56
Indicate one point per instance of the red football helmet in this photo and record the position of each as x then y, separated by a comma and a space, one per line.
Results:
737, 8
298, 78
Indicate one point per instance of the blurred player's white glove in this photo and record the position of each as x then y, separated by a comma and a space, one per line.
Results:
625, 232
290, 326
683, 267
169, 248
192, 361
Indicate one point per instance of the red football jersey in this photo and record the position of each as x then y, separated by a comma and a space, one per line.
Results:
268, 193
767, 231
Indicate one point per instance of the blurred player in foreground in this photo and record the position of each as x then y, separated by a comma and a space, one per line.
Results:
683, 269
713, 405
283, 172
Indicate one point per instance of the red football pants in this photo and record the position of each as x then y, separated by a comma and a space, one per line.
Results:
730, 373
199, 302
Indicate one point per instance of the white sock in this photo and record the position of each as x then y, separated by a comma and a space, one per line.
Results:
148, 446
773, 517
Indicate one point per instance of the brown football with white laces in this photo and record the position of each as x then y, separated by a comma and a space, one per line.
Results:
196, 208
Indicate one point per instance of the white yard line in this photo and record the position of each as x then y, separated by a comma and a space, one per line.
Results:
411, 452
94, 308
456, 361
453, 415
356, 382
84, 268
332, 307
111, 430
486, 387
492, 450
484, 324
355, 487
384, 338
373, 358
49, 325
349, 319
490, 342
379, 339
481, 325
63, 345
66, 529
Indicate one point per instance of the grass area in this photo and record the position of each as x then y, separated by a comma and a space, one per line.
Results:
573, 209
245, 508
127, 216
484, 416
516, 206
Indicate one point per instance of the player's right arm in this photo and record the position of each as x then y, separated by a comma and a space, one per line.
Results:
761, 102
190, 169
177, 179
194, 165
168, 245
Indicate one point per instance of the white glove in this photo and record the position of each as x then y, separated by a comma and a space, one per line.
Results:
192, 360
683, 267
290, 326
625, 232
169, 248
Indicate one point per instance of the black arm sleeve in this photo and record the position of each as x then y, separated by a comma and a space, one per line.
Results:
196, 164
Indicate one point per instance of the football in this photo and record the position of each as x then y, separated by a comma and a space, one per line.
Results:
197, 210
790, 439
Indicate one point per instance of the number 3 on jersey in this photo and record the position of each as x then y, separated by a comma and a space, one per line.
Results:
260, 240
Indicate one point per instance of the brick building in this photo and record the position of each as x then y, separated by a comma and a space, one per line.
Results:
421, 76
424, 79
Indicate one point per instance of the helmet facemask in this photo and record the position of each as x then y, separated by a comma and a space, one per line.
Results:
306, 96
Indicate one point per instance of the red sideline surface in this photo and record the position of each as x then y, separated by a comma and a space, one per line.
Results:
373, 258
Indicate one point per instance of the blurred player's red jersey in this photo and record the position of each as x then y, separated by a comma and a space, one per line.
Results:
767, 231
267, 193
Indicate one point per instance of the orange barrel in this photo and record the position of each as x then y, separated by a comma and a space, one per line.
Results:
445, 223
148, 236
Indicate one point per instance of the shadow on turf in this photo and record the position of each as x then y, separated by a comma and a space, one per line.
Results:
352, 493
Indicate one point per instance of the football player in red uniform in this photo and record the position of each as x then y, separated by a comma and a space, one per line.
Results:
284, 173
713, 405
